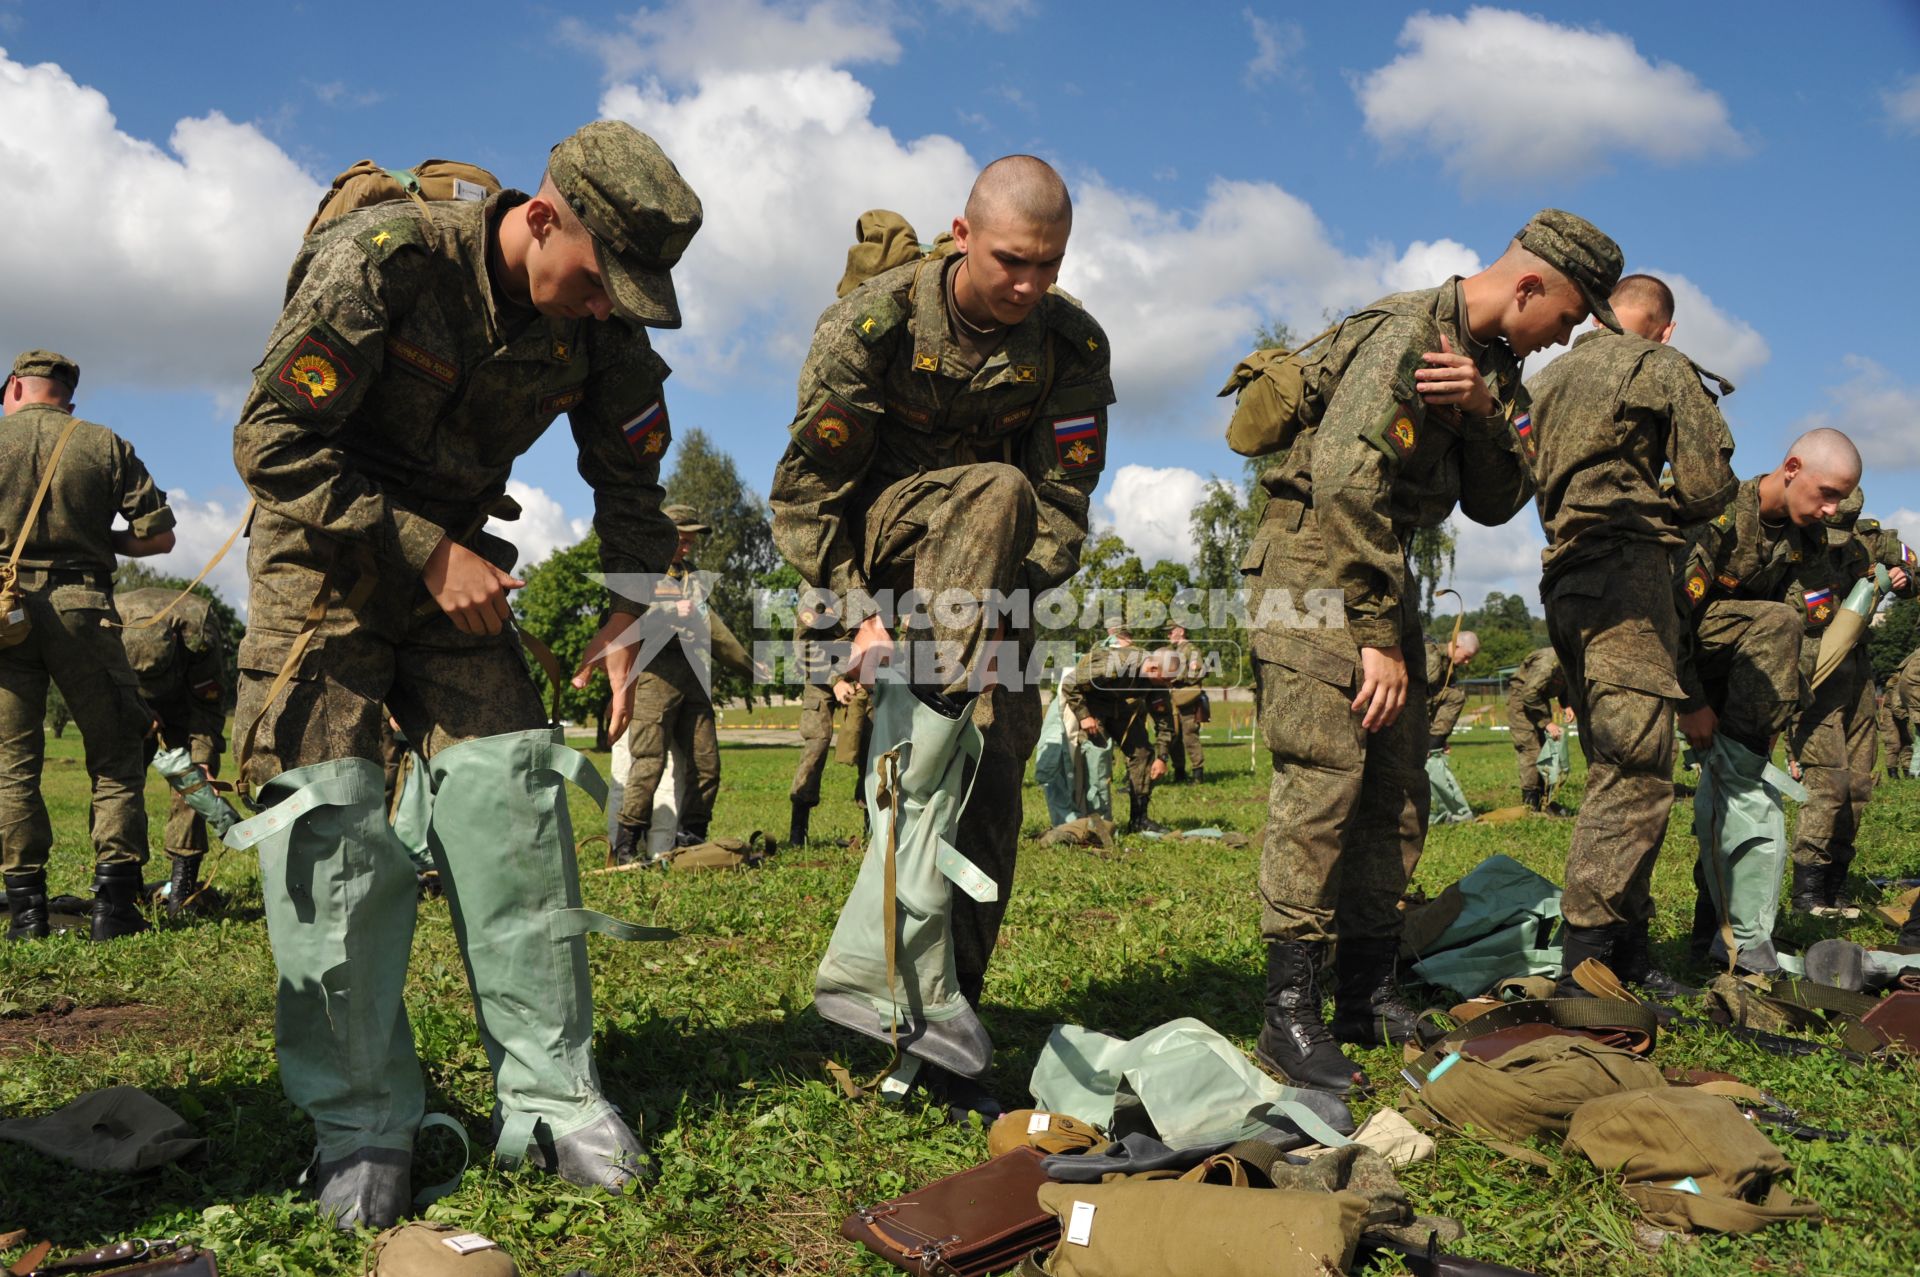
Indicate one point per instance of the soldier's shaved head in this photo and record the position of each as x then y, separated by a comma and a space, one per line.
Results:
1466, 646
1022, 187
21, 391
1829, 453
1646, 293
1820, 471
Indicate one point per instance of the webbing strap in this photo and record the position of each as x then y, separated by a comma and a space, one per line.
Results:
1565, 1013
433, 1193
548, 662
571, 764
328, 791
565, 924
516, 1136
212, 563
40, 493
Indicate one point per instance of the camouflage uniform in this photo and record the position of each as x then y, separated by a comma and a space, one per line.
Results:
1611, 415
1348, 809
671, 707
1189, 702
917, 462
182, 665
66, 590
1531, 694
1443, 707
1903, 700
1108, 685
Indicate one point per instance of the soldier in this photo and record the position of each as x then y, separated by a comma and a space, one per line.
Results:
1404, 401
1531, 715
673, 703
421, 349
818, 707
1112, 695
66, 481
1444, 706
1611, 416
181, 659
1741, 669
1903, 698
1190, 708
1896, 735
1832, 741
952, 426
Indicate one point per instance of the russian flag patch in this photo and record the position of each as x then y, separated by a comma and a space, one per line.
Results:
646, 434
1076, 442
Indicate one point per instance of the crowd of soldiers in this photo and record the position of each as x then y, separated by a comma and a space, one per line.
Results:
951, 427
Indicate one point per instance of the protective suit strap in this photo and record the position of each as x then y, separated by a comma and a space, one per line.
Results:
571, 764
433, 1193
328, 791
565, 924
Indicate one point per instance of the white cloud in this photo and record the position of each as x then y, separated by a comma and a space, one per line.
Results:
200, 528
1716, 340
1275, 46
682, 43
1150, 509
1506, 559
1511, 97
152, 267
542, 527
1902, 105
1877, 411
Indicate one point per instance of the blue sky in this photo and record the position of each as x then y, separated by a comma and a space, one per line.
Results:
1231, 163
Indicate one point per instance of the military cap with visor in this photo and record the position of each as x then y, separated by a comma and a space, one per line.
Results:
1582, 252
639, 210
44, 363
685, 518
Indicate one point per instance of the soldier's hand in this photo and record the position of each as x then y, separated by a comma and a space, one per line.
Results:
1553, 731
1793, 768
1091, 726
611, 651
1158, 769
1383, 686
468, 588
1899, 578
872, 648
844, 691
1453, 379
1699, 725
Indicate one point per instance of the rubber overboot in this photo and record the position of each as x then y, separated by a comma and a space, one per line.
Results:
1839, 903
1633, 963
1138, 820
1706, 922
1846, 965
1294, 1041
339, 893
503, 841
1367, 1007
1808, 894
27, 906
116, 902
797, 825
960, 1095
183, 884
916, 788
1577, 944
629, 843
1740, 822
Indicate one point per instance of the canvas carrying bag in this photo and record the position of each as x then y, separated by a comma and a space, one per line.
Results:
1199, 1230
14, 623
366, 184
1271, 387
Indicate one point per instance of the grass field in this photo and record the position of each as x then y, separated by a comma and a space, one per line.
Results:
711, 1040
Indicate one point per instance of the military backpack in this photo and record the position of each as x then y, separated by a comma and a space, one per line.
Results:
366, 184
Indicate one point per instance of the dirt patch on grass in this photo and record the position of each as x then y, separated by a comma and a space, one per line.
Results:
62, 1026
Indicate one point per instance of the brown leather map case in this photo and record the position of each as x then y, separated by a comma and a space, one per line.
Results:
983, 1220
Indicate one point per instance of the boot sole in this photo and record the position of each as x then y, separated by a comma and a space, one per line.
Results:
1840, 964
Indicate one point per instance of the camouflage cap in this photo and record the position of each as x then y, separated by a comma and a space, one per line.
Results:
44, 363
1579, 250
685, 518
1846, 515
639, 210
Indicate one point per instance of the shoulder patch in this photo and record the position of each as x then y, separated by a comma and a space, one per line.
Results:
383, 239
313, 377
647, 433
1724, 521
1077, 446
880, 316
1523, 431
1395, 434
831, 429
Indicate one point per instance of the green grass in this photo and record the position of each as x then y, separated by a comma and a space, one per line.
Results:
710, 1039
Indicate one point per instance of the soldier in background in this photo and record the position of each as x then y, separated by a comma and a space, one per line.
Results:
1532, 717
1190, 708
1612, 416
818, 708
1900, 716
174, 643
65, 564
1113, 694
1444, 706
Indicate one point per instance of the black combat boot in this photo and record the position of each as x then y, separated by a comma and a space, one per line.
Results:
1294, 1040
1531, 799
960, 1095
27, 906
1367, 1007
1138, 821
182, 884
1706, 921
1808, 894
1834, 891
797, 827
692, 833
1577, 944
1633, 963
116, 897
629, 843
1197, 775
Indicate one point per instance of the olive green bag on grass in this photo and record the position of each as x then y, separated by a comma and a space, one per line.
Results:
1173, 1229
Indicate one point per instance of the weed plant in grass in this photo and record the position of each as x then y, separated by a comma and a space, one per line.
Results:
710, 1041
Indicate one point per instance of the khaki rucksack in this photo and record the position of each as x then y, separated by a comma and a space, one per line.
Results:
367, 184
884, 240
1271, 385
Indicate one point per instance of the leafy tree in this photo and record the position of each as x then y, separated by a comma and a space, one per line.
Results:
739, 549
1893, 640
1221, 534
1433, 553
134, 575
561, 605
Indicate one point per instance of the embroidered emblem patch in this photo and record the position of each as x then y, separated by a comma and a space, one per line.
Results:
1906, 556
1025, 372
831, 427
562, 401
1819, 604
1092, 344
422, 360
1076, 441
926, 363
1401, 432
1523, 426
315, 373
1697, 585
1724, 521
646, 433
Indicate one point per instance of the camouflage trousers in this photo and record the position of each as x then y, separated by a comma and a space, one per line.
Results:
1618, 637
1896, 734
989, 830
1748, 656
1528, 729
1132, 738
671, 708
186, 832
965, 528
818, 739
1443, 712
71, 649
1188, 750
1346, 809
1834, 742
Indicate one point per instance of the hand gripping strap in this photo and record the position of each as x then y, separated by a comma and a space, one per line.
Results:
328, 791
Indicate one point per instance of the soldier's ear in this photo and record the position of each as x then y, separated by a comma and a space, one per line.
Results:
1666, 334
542, 218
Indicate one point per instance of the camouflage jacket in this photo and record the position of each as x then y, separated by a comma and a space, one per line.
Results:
887, 394
1107, 684
98, 477
1186, 690
1610, 416
1735, 555
1376, 463
1907, 681
181, 661
1439, 667
1539, 681
395, 396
